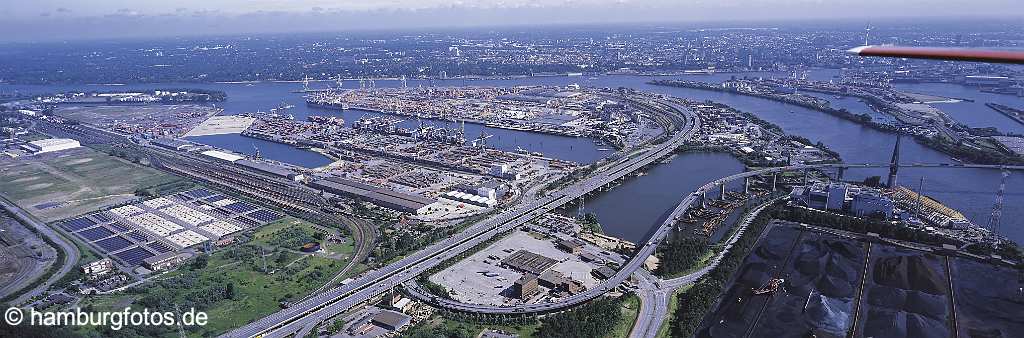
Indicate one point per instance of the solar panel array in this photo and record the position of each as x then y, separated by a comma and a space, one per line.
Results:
95, 233
132, 233
241, 207
113, 244
265, 216
139, 236
134, 256
78, 224
120, 227
215, 198
159, 247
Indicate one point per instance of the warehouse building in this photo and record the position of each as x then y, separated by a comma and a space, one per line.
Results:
51, 145
528, 262
270, 169
98, 269
384, 197
390, 320
164, 261
171, 144
461, 197
221, 156
571, 246
525, 286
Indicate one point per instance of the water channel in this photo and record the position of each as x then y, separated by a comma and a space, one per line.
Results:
630, 210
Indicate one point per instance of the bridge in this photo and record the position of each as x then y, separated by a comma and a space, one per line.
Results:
660, 234
313, 310
317, 308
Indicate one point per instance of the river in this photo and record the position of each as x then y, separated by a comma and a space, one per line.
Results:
970, 190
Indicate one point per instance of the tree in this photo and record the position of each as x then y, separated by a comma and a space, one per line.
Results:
200, 262
229, 291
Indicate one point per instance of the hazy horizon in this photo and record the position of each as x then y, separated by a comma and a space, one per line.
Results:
59, 20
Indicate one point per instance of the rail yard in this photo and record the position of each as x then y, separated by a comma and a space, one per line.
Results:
409, 216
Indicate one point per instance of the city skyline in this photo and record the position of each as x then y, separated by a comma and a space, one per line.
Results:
67, 20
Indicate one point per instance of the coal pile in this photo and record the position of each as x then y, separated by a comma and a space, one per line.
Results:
738, 306
989, 301
819, 292
906, 295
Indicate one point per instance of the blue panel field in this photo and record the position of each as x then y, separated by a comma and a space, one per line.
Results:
215, 198
241, 207
101, 216
159, 247
119, 227
134, 256
138, 236
247, 221
114, 244
78, 224
265, 216
95, 233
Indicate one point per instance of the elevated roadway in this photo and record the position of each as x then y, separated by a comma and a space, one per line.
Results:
327, 304
663, 230
335, 301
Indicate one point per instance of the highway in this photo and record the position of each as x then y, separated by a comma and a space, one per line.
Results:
334, 301
337, 300
636, 261
655, 292
71, 254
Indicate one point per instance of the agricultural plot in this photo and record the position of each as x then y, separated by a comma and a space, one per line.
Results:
61, 185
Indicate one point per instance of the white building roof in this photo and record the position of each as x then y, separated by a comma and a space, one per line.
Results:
222, 155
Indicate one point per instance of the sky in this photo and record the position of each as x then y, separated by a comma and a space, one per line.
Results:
50, 20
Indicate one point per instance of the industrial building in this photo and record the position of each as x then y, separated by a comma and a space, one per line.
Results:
221, 156
51, 145
821, 196
603, 272
171, 144
461, 197
97, 269
164, 261
528, 262
571, 246
866, 204
390, 320
384, 197
556, 281
270, 169
525, 286
859, 201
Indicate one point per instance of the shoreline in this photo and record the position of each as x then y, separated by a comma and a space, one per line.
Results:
946, 148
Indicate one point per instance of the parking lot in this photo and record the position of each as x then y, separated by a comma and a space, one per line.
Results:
480, 279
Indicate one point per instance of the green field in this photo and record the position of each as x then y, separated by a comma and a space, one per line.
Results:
630, 308
438, 326
57, 186
673, 305
233, 288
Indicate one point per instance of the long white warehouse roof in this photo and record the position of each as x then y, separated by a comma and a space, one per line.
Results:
222, 155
